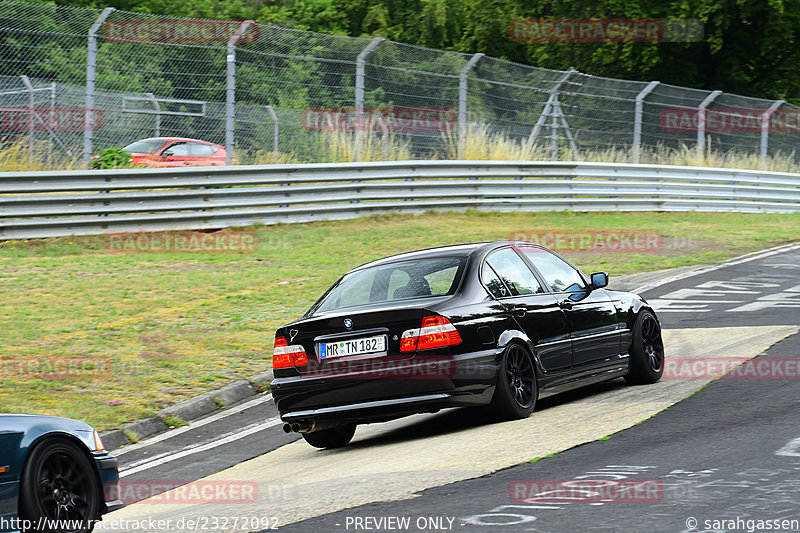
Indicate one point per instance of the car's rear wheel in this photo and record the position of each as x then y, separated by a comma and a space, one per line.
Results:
335, 437
516, 391
646, 351
59, 483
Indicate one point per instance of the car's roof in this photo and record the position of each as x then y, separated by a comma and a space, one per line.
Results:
462, 250
167, 139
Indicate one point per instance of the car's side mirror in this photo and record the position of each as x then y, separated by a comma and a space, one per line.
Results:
599, 280
166, 153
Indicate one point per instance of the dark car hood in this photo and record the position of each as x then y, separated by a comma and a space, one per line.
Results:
23, 422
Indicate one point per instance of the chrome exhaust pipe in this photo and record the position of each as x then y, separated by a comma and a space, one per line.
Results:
303, 426
306, 426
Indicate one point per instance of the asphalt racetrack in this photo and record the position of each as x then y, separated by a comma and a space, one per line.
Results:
730, 451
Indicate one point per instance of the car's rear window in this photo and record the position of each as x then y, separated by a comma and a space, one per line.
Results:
403, 280
144, 147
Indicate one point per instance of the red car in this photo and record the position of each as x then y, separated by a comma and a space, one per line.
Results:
175, 152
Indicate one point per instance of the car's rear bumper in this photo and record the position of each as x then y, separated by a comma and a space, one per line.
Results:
376, 410
374, 397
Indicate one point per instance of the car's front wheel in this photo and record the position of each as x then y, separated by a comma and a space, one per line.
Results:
646, 351
335, 437
516, 391
59, 483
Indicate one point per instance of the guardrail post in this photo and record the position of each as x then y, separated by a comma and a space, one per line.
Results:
762, 160
91, 72
548, 107
701, 124
637, 119
463, 80
361, 66
230, 89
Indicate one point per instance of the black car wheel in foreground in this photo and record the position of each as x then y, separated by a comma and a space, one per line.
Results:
55, 475
497, 324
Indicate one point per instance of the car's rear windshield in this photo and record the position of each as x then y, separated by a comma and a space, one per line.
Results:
403, 280
144, 147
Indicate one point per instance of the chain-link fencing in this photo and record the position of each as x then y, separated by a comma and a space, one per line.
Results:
76, 80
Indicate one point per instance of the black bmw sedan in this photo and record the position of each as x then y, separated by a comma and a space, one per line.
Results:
495, 324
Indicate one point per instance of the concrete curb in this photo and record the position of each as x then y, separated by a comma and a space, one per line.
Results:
188, 410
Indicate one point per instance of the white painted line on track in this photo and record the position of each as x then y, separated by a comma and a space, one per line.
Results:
193, 425
791, 449
168, 457
735, 261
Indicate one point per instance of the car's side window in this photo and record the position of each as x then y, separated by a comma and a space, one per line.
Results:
201, 150
493, 283
513, 270
557, 273
180, 150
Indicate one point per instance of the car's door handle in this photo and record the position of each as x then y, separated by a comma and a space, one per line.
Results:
565, 304
517, 310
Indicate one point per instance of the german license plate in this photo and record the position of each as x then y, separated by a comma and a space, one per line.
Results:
329, 350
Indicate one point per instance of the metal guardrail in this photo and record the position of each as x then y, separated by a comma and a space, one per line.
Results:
50, 204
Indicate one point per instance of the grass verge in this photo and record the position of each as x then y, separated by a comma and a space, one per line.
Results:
139, 331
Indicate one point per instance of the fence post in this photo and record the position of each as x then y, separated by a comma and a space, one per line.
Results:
52, 113
637, 119
157, 108
361, 64
701, 124
275, 131
548, 107
230, 90
91, 72
762, 160
462, 103
31, 112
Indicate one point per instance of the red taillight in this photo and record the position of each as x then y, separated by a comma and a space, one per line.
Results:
435, 332
285, 356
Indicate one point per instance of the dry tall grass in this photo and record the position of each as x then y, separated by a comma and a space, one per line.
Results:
15, 157
481, 143
265, 157
340, 146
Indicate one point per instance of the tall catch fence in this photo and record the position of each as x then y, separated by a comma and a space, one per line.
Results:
75, 80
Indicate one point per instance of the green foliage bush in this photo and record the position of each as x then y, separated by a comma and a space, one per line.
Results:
112, 157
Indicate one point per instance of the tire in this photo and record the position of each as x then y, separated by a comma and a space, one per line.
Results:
335, 437
58, 482
516, 391
646, 351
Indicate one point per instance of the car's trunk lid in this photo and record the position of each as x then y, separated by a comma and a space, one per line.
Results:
358, 335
